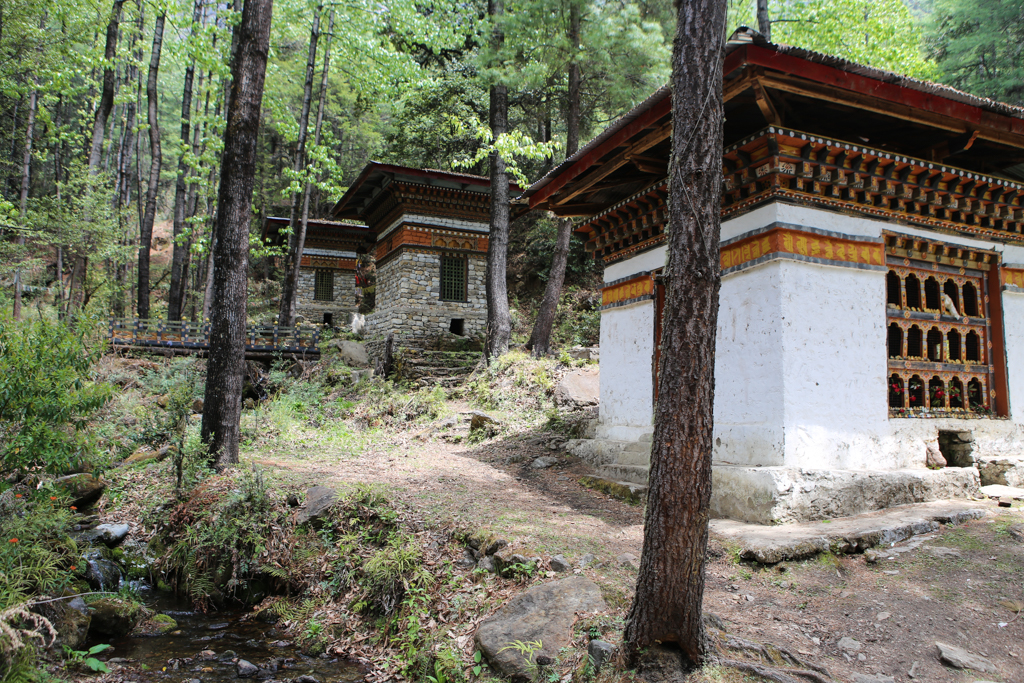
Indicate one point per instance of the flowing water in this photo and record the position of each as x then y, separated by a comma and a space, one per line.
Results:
176, 656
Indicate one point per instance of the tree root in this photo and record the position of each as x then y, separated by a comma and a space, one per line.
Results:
773, 673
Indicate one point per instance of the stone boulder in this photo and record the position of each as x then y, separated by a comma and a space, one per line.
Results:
959, 658
585, 353
579, 388
319, 500
544, 613
112, 617
101, 573
933, 458
84, 489
70, 619
110, 535
147, 455
353, 354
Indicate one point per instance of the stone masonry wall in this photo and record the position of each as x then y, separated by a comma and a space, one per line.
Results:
409, 297
344, 297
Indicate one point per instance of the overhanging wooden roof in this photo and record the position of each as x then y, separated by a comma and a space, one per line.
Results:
769, 84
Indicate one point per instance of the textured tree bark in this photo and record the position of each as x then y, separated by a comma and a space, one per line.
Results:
764, 24
99, 128
318, 128
124, 180
540, 338
499, 319
297, 240
179, 253
670, 587
224, 371
26, 179
146, 229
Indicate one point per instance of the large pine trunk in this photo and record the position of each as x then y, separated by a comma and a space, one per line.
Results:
670, 587
297, 240
499, 319
99, 128
223, 399
146, 229
179, 252
540, 338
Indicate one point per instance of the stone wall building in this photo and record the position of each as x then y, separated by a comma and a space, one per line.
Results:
872, 292
431, 230
327, 278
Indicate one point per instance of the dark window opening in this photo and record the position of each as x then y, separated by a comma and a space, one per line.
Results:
936, 393
935, 345
895, 391
914, 342
931, 294
916, 392
453, 278
329, 319
953, 292
970, 300
323, 285
974, 396
954, 346
457, 326
973, 347
956, 393
892, 289
913, 292
895, 341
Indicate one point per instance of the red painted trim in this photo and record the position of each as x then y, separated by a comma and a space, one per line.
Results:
643, 121
828, 75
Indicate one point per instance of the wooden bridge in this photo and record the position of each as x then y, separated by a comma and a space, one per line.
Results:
261, 341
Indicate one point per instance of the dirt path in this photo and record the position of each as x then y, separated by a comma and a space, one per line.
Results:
960, 585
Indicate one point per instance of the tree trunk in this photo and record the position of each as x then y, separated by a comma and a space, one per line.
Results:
670, 587
540, 338
499, 319
223, 398
124, 182
764, 24
26, 178
99, 128
146, 229
297, 240
179, 253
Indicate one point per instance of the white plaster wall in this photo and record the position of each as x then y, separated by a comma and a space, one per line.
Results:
627, 389
748, 369
1013, 334
641, 263
835, 364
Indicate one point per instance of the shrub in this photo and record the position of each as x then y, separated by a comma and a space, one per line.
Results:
46, 395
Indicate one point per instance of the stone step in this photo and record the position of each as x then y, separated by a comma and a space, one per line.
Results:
623, 490
637, 474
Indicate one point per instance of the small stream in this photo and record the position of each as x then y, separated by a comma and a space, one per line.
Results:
176, 656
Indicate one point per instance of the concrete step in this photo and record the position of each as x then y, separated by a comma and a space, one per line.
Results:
637, 474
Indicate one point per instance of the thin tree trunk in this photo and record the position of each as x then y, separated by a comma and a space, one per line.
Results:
146, 229
764, 24
499, 319
26, 178
124, 181
223, 398
179, 253
666, 607
540, 338
99, 128
289, 287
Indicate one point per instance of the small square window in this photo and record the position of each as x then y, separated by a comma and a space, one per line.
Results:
324, 285
453, 278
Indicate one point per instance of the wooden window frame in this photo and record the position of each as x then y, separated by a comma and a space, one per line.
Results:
318, 286
446, 286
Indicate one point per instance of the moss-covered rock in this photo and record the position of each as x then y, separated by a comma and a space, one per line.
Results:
157, 625
115, 617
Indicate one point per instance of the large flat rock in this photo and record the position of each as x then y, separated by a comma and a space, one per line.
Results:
544, 614
771, 544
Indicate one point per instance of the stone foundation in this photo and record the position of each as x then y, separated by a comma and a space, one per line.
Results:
340, 309
409, 298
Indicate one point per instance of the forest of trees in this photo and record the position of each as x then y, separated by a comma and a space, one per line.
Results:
112, 112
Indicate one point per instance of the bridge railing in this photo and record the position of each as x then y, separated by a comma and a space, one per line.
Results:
194, 335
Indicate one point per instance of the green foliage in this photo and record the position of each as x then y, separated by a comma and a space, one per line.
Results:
85, 659
881, 33
976, 44
46, 395
36, 553
385, 404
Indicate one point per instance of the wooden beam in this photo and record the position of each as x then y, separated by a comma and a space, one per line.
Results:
616, 162
764, 103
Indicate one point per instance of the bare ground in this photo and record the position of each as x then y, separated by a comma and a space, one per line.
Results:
969, 594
